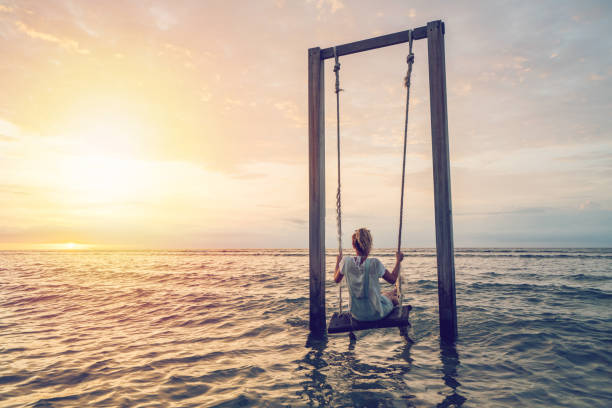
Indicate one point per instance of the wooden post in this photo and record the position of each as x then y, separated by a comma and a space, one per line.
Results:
442, 187
316, 166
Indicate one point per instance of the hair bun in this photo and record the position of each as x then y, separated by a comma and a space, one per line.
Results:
362, 241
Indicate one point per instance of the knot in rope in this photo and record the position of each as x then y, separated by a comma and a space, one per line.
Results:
337, 71
409, 61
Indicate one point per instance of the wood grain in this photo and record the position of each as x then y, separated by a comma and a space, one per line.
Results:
316, 166
343, 322
442, 184
373, 43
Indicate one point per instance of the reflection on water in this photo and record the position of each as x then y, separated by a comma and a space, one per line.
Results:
341, 378
450, 362
315, 388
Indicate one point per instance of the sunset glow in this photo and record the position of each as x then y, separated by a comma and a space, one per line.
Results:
59, 246
71, 246
330, 203
156, 126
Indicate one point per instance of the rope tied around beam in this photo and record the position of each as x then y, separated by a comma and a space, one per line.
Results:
338, 191
337, 71
409, 61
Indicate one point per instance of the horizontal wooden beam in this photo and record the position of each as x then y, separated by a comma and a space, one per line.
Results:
376, 42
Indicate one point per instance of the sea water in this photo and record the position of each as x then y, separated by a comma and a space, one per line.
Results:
230, 328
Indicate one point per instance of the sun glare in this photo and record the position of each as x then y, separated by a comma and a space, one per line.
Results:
102, 179
62, 246
106, 144
107, 131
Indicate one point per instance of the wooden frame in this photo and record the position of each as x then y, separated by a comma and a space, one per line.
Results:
434, 32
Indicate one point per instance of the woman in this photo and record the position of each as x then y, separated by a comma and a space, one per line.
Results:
362, 274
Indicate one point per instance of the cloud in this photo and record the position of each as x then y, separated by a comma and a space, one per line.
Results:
186, 52
296, 221
8, 130
291, 112
510, 68
66, 43
595, 77
462, 88
519, 211
17, 189
589, 205
233, 103
6, 9
589, 159
163, 19
77, 13
4, 138
334, 5
183, 53
553, 227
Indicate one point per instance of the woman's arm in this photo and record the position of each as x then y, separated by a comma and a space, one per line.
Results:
337, 272
391, 277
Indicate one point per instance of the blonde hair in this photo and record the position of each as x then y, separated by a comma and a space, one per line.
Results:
362, 241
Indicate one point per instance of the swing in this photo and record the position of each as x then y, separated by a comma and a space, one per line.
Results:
342, 322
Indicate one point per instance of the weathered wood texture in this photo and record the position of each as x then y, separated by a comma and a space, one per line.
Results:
442, 185
373, 43
316, 166
341, 323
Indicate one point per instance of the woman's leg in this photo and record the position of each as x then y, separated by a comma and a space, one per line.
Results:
392, 295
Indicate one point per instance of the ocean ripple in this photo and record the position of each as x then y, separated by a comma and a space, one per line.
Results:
174, 328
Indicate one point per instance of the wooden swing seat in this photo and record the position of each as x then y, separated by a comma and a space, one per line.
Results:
343, 322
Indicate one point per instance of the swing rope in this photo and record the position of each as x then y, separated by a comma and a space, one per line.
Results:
410, 61
338, 191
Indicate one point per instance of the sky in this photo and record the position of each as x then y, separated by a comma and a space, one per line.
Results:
183, 124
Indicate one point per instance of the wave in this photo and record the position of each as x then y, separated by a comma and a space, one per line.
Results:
214, 327
557, 290
431, 253
530, 255
594, 278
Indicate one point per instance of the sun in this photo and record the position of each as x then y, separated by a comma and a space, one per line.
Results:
96, 179
104, 164
63, 246
113, 129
